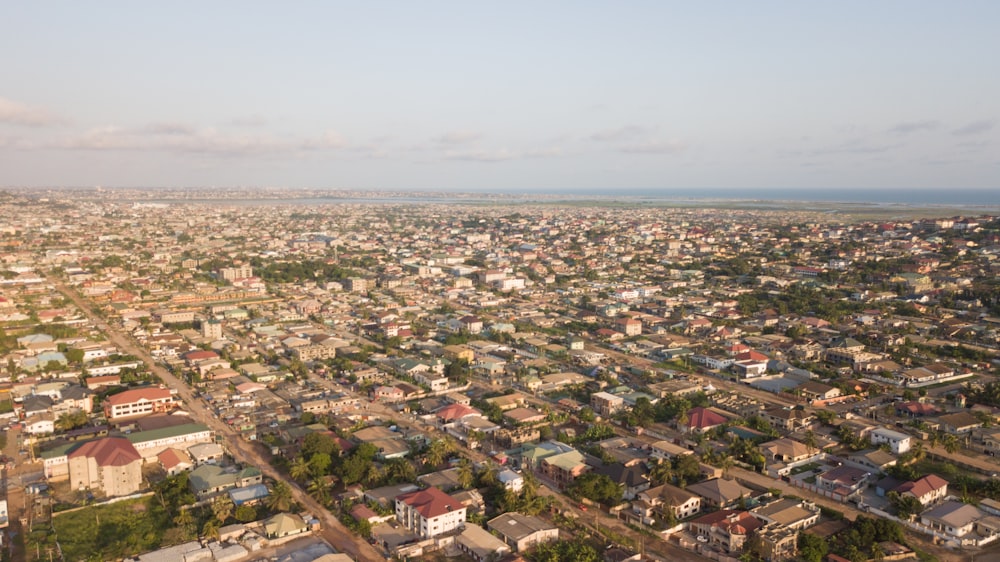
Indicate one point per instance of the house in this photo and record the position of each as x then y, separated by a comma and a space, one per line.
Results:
667, 451
786, 450
844, 480
788, 419
174, 461
522, 532
111, 465
720, 493
727, 529
959, 423
429, 513
605, 404
632, 478
701, 420
284, 525
138, 402
563, 468
480, 545
524, 416
812, 390
511, 480
899, 443
667, 499
788, 513
926, 490
952, 518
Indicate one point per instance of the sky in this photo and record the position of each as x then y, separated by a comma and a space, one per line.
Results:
488, 96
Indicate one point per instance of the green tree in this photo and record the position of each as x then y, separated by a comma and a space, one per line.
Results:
222, 508
595, 487
812, 548
299, 470
466, 476
280, 498
245, 513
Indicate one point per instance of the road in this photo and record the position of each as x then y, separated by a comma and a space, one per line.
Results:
333, 531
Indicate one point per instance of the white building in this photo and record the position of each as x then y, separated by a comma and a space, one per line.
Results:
898, 442
429, 513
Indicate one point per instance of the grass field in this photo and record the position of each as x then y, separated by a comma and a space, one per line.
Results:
111, 532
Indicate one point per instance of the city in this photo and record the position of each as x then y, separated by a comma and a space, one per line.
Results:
261, 376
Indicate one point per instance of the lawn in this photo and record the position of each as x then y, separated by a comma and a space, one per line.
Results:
805, 468
111, 532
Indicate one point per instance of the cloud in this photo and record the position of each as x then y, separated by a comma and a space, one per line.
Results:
182, 139
14, 113
975, 128
169, 129
249, 121
654, 147
856, 146
459, 137
628, 132
908, 127
480, 155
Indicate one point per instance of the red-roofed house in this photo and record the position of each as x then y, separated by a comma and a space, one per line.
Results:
726, 528
429, 513
927, 490
701, 420
454, 412
174, 461
111, 465
138, 402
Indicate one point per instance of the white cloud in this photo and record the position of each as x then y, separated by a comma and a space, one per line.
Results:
628, 132
14, 113
908, 127
459, 137
654, 147
975, 128
480, 155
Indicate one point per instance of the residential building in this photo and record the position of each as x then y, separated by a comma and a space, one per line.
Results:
429, 513
110, 465
138, 402
522, 532
899, 443
480, 545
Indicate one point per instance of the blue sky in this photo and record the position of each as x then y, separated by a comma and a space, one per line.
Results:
505, 95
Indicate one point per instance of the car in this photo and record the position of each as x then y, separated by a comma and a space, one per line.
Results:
582, 507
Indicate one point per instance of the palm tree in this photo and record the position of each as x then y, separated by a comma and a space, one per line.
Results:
184, 519
373, 475
438, 452
662, 473
725, 464
299, 469
222, 508
319, 491
465, 474
280, 498
210, 530
489, 475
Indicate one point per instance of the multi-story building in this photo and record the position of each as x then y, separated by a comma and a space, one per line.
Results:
429, 513
111, 465
138, 402
606, 404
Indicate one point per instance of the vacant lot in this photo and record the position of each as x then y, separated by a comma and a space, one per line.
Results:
111, 532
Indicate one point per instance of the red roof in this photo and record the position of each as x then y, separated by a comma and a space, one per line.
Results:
454, 412
173, 457
923, 486
430, 503
703, 418
110, 451
200, 355
151, 394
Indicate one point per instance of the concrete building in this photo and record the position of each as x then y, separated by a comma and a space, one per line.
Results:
111, 465
429, 513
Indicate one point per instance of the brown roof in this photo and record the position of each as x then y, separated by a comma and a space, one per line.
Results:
110, 451
138, 394
430, 503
